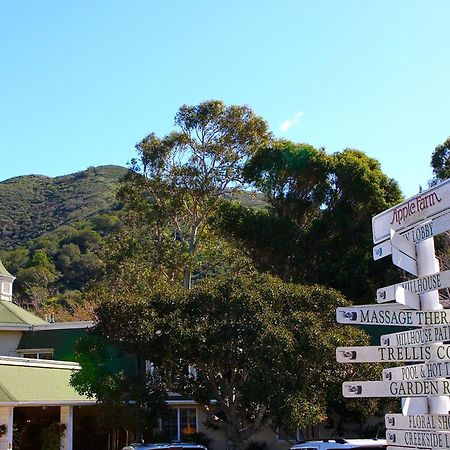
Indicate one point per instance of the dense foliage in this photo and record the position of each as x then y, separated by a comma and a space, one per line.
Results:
318, 226
34, 205
251, 350
440, 162
53, 271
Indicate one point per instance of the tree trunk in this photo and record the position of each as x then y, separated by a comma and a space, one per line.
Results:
187, 283
234, 439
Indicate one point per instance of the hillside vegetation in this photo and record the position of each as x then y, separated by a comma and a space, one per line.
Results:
33, 205
53, 233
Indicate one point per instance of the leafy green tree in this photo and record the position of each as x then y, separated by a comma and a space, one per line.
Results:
440, 162
129, 399
252, 351
318, 226
36, 280
177, 180
294, 178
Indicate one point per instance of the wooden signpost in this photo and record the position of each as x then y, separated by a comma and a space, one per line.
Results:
426, 371
418, 336
417, 286
420, 439
432, 352
368, 315
435, 422
406, 232
418, 388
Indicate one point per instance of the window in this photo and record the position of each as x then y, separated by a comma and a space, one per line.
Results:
180, 423
7, 287
36, 354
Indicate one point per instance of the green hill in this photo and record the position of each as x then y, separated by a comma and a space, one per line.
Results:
33, 205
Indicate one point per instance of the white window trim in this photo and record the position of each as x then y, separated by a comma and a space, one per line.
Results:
38, 351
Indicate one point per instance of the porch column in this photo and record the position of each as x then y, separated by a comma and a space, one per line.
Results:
66, 418
6, 418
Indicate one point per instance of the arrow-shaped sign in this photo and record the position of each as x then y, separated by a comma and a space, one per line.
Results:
419, 353
420, 388
428, 283
402, 244
419, 233
421, 439
404, 261
424, 422
426, 371
418, 336
392, 316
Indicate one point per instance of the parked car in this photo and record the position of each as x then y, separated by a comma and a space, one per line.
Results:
331, 444
172, 446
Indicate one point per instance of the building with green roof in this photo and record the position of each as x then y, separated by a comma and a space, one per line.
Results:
35, 372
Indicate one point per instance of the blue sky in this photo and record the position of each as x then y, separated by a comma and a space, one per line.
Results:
83, 81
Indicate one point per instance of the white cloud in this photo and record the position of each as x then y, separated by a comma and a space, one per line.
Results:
292, 122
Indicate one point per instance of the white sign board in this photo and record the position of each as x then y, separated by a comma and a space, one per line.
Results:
435, 422
403, 261
419, 388
421, 439
419, 233
404, 297
363, 315
425, 371
393, 447
403, 245
428, 283
418, 336
429, 204
419, 353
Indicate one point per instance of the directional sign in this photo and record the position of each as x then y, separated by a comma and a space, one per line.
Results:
428, 283
419, 388
419, 233
403, 261
363, 315
435, 422
393, 447
429, 204
403, 245
426, 371
404, 297
419, 353
421, 439
418, 336
409, 372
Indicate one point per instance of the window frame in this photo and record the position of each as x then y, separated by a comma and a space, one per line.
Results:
178, 410
35, 351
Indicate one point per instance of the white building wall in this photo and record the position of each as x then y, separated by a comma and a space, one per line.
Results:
9, 341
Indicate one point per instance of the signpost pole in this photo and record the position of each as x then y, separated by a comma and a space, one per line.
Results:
427, 264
